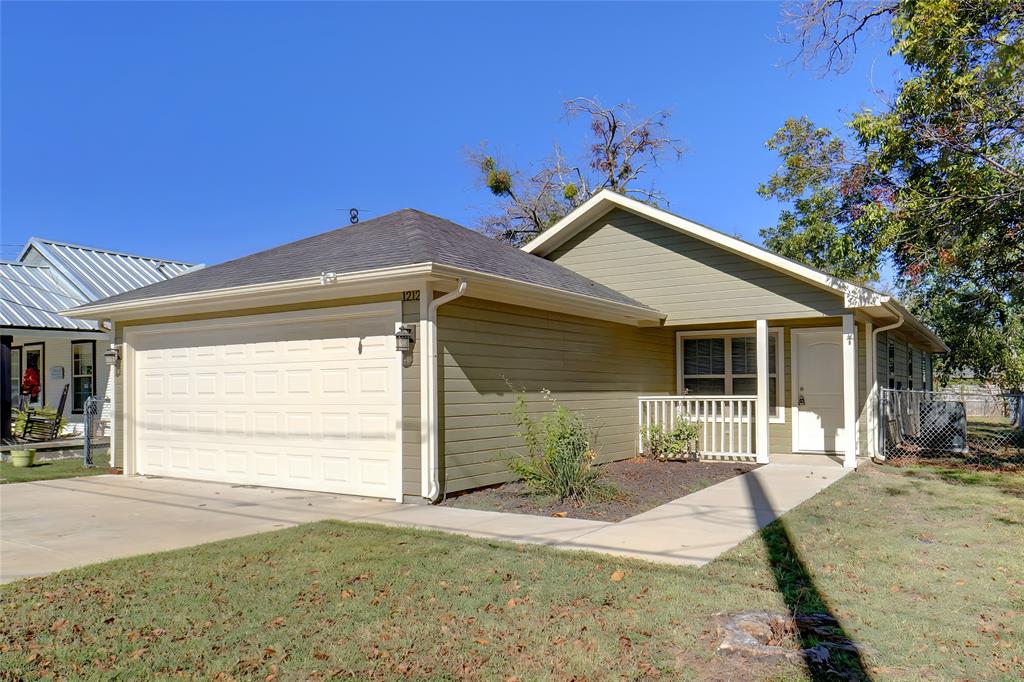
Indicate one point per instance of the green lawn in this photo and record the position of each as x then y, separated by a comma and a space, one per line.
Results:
923, 572
61, 468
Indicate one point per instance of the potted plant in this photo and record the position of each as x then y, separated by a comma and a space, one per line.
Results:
23, 458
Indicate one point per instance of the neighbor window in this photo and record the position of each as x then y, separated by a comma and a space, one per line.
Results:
16, 375
83, 363
726, 364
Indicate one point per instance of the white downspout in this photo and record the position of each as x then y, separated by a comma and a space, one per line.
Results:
873, 403
431, 485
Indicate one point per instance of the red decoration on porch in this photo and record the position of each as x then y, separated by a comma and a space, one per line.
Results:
30, 382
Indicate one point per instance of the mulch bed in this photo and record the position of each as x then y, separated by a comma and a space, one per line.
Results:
642, 484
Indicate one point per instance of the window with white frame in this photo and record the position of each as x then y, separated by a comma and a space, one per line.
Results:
83, 361
725, 363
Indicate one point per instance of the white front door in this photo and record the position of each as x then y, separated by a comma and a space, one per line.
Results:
818, 389
308, 400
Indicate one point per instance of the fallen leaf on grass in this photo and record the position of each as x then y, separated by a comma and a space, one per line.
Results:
138, 653
482, 642
58, 624
560, 515
277, 622
617, 576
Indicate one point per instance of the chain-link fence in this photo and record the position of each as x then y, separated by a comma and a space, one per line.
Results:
976, 429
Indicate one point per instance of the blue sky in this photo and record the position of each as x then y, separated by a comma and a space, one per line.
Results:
205, 131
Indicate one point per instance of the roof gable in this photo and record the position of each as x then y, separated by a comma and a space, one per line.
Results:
690, 280
604, 201
98, 273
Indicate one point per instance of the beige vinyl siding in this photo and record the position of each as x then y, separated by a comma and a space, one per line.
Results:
599, 368
904, 351
411, 408
688, 279
410, 375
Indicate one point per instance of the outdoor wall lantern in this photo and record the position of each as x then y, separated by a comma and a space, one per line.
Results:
405, 336
112, 356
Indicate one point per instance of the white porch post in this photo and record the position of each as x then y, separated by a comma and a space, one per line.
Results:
849, 392
761, 411
871, 381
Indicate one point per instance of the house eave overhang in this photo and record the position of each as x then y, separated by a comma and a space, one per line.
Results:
892, 308
54, 332
366, 283
362, 283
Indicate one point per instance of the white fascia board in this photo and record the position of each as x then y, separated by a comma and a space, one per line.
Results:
370, 282
924, 331
356, 284
854, 296
496, 287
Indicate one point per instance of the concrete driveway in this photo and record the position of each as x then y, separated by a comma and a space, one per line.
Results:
48, 526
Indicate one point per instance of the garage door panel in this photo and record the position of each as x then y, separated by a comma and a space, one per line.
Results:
273, 404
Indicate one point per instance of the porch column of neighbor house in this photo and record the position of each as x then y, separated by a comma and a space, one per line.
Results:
849, 444
6, 399
761, 411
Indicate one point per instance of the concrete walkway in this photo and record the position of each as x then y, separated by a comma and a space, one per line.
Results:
697, 528
48, 526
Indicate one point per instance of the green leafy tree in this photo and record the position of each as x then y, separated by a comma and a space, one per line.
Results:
934, 180
622, 152
812, 179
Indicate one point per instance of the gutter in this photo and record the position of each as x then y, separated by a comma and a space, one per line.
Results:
877, 455
430, 468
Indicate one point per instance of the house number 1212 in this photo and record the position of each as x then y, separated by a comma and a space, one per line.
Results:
413, 295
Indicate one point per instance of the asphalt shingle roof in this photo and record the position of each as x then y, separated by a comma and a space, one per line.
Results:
405, 237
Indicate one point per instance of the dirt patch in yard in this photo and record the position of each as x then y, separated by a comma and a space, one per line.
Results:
642, 484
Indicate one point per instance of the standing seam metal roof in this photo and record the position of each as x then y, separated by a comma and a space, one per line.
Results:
29, 295
68, 275
106, 273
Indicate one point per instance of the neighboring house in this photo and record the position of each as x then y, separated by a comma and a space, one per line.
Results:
283, 368
55, 351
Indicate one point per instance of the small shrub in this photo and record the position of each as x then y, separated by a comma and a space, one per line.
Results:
674, 443
560, 454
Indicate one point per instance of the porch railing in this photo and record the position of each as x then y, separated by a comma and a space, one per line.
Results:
727, 425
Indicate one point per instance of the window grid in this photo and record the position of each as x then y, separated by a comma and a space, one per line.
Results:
83, 370
728, 376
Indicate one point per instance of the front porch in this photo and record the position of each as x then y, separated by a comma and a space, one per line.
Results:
808, 398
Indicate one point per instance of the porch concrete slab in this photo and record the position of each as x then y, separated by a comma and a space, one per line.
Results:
697, 528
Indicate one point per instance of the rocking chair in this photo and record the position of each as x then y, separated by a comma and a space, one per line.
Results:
45, 427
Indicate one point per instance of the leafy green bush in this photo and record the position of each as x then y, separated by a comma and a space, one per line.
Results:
674, 443
560, 454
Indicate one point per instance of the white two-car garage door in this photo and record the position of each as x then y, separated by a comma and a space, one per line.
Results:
307, 400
